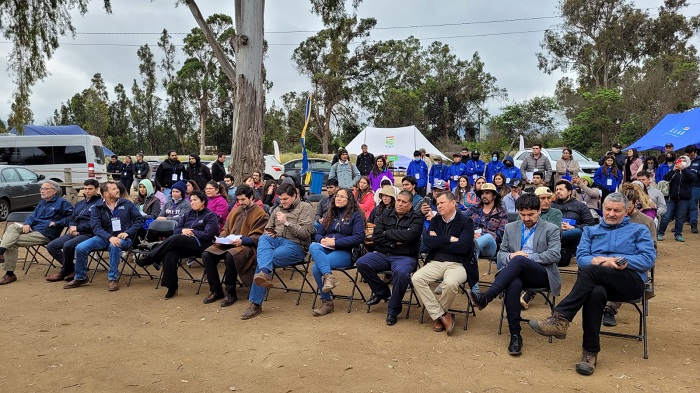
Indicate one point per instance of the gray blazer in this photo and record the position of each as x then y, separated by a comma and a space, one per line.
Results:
546, 243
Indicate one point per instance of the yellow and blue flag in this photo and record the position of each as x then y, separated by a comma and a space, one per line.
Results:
305, 173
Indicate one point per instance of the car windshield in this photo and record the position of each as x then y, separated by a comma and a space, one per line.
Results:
555, 155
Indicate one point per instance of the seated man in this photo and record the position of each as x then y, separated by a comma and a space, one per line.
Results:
62, 248
575, 216
248, 221
45, 224
613, 258
284, 242
323, 204
396, 244
537, 181
529, 254
490, 219
547, 212
450, 239
115, 223
513, 195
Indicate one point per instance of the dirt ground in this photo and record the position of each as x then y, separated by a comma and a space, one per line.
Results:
91, 340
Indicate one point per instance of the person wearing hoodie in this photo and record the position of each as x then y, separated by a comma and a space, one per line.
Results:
475, 167
455, 171
216, 201
510, 171
115, 222
680, 185
418, 169
379, 172
146, 202
494, 166
169, 172
438, 171
177, 206
197, 171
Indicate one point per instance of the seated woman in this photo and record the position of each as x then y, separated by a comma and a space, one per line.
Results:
177, 206
193, 234
146, 202
499, 180
388, 197
464, 195
342, 229
364, 195
270, 198
529, 253
192, 186
216, 201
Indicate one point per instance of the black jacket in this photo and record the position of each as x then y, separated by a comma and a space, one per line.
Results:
364, 163
461, 227
680, 184
218, 171
576, 210
204, 224
129, 217
165, 171
198, 172
394, 235
141, 170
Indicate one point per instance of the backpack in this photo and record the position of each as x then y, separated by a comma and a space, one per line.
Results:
663, 186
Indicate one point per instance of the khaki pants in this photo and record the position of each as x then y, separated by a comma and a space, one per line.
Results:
14, 238
452, 275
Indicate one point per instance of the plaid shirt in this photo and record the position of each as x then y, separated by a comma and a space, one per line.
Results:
493, 223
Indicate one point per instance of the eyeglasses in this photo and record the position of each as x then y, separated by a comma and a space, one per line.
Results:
46, 188
209, 188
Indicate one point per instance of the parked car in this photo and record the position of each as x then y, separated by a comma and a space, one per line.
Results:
293, 168
19, 189
273, 168
588, 166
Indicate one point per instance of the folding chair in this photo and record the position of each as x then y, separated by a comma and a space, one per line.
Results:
642, 307
302, 268
33, 253
468, 310
157, 231
549, 300
412, 297
189, 277
355, 288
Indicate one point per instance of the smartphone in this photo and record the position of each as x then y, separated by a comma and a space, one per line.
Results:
621, 261
271, 230
426, 201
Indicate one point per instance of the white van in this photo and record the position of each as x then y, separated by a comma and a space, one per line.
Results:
49, 155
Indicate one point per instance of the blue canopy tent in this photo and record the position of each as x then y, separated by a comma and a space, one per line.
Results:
57, 130
681, 129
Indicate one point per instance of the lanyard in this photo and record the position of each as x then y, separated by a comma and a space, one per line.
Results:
524, 238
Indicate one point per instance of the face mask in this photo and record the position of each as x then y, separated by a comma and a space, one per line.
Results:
416, 159
508, 164
494, 159
669, 159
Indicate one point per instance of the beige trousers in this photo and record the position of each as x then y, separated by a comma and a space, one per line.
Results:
452, 275
13, 239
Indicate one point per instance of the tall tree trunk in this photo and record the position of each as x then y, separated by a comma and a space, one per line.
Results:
202, 130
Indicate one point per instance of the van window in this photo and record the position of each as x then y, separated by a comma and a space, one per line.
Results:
43, 155
99, 155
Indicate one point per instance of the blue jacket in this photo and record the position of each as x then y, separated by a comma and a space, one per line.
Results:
601, 179
348, 233
419, 170
475, 167
512, 172
56, 210
627, 239
81, 215
130, 219
204, 224
493, 168
661, 171
438, 172
456, 170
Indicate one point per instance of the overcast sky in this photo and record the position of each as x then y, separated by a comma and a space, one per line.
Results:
508, 57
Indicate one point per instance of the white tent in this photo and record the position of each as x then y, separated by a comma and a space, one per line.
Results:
396, 143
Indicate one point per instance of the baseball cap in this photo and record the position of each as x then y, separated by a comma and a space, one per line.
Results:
516, 183
617, 145
543, 191
669, 144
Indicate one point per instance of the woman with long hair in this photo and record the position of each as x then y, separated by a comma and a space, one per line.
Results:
342, 229
608, 176
464, 195
145, 201
649, 167
567, 167
364, 195
632, 165
379, 171
499, 180
270, 190
192, 186
216, 200
387, 199
665, 167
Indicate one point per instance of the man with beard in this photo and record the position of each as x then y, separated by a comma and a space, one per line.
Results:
169, 172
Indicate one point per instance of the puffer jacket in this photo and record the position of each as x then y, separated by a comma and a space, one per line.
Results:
576, 210
394, 235
301, 226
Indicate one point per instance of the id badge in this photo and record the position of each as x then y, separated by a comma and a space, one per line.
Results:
124, 174
116, 225
609, 182
474, 177
508, 180
175, 177
417, 176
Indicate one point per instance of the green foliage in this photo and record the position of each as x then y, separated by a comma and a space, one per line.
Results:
533, 119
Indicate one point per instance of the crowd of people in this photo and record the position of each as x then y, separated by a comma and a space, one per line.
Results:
451, 215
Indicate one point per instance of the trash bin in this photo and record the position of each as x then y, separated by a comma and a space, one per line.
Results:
316, 183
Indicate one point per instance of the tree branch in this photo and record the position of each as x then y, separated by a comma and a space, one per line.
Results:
225, 64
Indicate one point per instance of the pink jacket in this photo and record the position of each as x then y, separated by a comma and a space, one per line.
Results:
634, 168
367, 203
219, 206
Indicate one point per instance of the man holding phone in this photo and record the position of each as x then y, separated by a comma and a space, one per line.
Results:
614, 259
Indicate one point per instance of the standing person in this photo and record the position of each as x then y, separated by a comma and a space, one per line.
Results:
379, 172
426, 158
464, 155
681, 180
146, 202
631, 167
286, 238
668, 148
342, 230
510, 171
62, 249
336, 156
127, 173
343, 170
475, 167
45, 224
396, 241
169, 172
450, 240
364, 196
197, 171
494, 166
216, 201
419, 171
536, 162
529, 255
456, 170
364, 161
438, 172
609, 269
248, 221
490, 219
618, 156
665, 167
218, 171
567, 167
694, 167
650, 166
608, 177
114, 167
115, 223
142, 170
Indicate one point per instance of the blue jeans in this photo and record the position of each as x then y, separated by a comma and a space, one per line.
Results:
166, 192
694, 207
677, 208
274, 252
571, 238
324, 260
401, 267
485, 245
97, 243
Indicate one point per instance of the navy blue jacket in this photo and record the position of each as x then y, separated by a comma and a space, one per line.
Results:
348, 233
56, 210
130, 219
680, 184
204, 224
461, 227
81, 215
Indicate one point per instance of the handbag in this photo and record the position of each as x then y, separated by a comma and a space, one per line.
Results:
357, 252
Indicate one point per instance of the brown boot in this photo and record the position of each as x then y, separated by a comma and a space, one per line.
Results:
556, 326
263, 279
329, 282
252, 311
326, 308
587, 364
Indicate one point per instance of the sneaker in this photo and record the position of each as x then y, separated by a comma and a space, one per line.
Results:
329, 282
263, 279
587, 364
526, 298
660, 237
680, 238
190, 262
694, 229
555, 325
326, 308
609, 317
252, 311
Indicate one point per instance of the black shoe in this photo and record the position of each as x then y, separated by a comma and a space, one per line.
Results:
375, 300
609, 317
214, 296
143, 262
171, 292
694, 229
391, 319
156, 265
515, 347
477, 299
